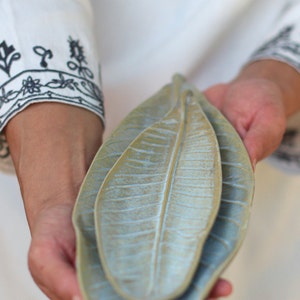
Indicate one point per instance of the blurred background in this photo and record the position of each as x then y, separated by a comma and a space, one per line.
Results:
15, 280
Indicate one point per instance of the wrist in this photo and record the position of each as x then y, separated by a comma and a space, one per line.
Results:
52, 146
281, 76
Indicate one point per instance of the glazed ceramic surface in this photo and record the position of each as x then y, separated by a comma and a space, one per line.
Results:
148, 235
231, 223
90, 274
157, 204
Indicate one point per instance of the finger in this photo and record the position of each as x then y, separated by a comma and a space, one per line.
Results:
222, 288
263, 136
216, 94
54, 270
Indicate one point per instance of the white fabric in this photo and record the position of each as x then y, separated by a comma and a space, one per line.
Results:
48, 52
63, 28
141, 45
283, 41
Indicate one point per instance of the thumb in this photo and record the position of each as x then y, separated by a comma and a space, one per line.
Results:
53, 272
263, 136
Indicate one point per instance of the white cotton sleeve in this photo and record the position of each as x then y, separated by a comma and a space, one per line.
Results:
48, 53
283, 41
283, 44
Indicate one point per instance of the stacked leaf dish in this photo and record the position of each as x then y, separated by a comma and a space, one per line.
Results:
166, 202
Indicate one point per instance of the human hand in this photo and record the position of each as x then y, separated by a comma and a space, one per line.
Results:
52, 146
222, 288
254, 107
52, 256
257, 103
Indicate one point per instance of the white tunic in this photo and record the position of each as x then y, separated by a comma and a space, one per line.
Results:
57, 47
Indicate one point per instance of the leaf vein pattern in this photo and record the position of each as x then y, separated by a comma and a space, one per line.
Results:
166, 193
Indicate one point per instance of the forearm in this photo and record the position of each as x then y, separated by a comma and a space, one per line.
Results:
52, 146
283, 76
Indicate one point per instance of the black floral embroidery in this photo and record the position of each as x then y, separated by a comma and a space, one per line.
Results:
281, 46
61, 82
7, 57
288, 150
282, 39
4, 150
44, 53
77, 53
6, 97
31, 86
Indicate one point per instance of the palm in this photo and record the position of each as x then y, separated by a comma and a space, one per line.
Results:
52, 253
255, 109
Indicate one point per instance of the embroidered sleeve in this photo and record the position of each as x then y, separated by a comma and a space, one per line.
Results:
283, 43
48, 52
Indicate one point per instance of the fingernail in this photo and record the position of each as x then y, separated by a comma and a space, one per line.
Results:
76, 298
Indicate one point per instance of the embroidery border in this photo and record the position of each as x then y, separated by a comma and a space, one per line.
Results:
29, 86
4, 150
288, 150
280, 47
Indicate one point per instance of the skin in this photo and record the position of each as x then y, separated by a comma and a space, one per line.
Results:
52, 146
258, 103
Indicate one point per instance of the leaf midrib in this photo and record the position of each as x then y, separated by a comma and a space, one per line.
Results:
172, 166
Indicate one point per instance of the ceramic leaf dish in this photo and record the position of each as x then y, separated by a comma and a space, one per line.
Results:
166, 201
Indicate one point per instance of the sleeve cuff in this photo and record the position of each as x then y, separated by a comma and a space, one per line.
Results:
75, 85
6, 164
283, 43
48, 53
282, 47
